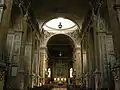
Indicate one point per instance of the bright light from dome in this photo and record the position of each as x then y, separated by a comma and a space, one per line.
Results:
60, 23
60, 18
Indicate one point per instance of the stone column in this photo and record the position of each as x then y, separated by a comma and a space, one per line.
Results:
27, 64
4, 26
29, 56
19, 81
74, 69
117, 7
102, 57
14, 59
82, 62
115, 28
43, 60
91, 51
95, 47
32, 56
78, 64
87, 57
38, 66
100, 50
22, 51
106, 53
110, 58
87, 80
35, 62
91, 58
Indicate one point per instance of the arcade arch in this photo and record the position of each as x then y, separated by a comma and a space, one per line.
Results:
60, 49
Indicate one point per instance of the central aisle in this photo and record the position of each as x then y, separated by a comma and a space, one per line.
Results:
59, 89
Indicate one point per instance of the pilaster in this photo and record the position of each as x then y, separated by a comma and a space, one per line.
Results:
78, 64
113, 16
43, 60
27, 65
4, 26
114, 28
19, 82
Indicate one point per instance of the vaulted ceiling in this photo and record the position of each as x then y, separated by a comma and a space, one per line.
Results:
46, 8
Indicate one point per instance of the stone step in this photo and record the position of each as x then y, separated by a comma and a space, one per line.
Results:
59, 89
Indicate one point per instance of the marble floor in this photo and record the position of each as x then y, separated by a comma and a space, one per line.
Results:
59, 89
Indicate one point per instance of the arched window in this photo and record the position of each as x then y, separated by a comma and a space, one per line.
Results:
60, 23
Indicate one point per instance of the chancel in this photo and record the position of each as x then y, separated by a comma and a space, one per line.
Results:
59, 45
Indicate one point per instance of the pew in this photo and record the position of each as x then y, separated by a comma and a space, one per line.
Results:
75, 87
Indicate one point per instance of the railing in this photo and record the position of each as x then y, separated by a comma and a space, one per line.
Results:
45, 87
4, 60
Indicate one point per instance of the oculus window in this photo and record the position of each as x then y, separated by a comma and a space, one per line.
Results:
60, 24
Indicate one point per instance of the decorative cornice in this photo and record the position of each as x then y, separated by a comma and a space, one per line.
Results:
3, 6
21, 71
116, 6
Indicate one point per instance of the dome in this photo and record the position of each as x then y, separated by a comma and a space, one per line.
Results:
60, 24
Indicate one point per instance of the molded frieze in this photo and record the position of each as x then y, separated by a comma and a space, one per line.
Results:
47, 35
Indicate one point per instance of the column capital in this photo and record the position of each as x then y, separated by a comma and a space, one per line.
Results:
97, 72
78, 47
77, 50
43, 49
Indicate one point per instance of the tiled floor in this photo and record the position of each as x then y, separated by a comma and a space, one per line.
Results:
59, 89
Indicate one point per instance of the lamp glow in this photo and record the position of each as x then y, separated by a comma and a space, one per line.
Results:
55, 79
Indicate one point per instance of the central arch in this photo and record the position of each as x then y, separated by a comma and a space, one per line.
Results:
60, 50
